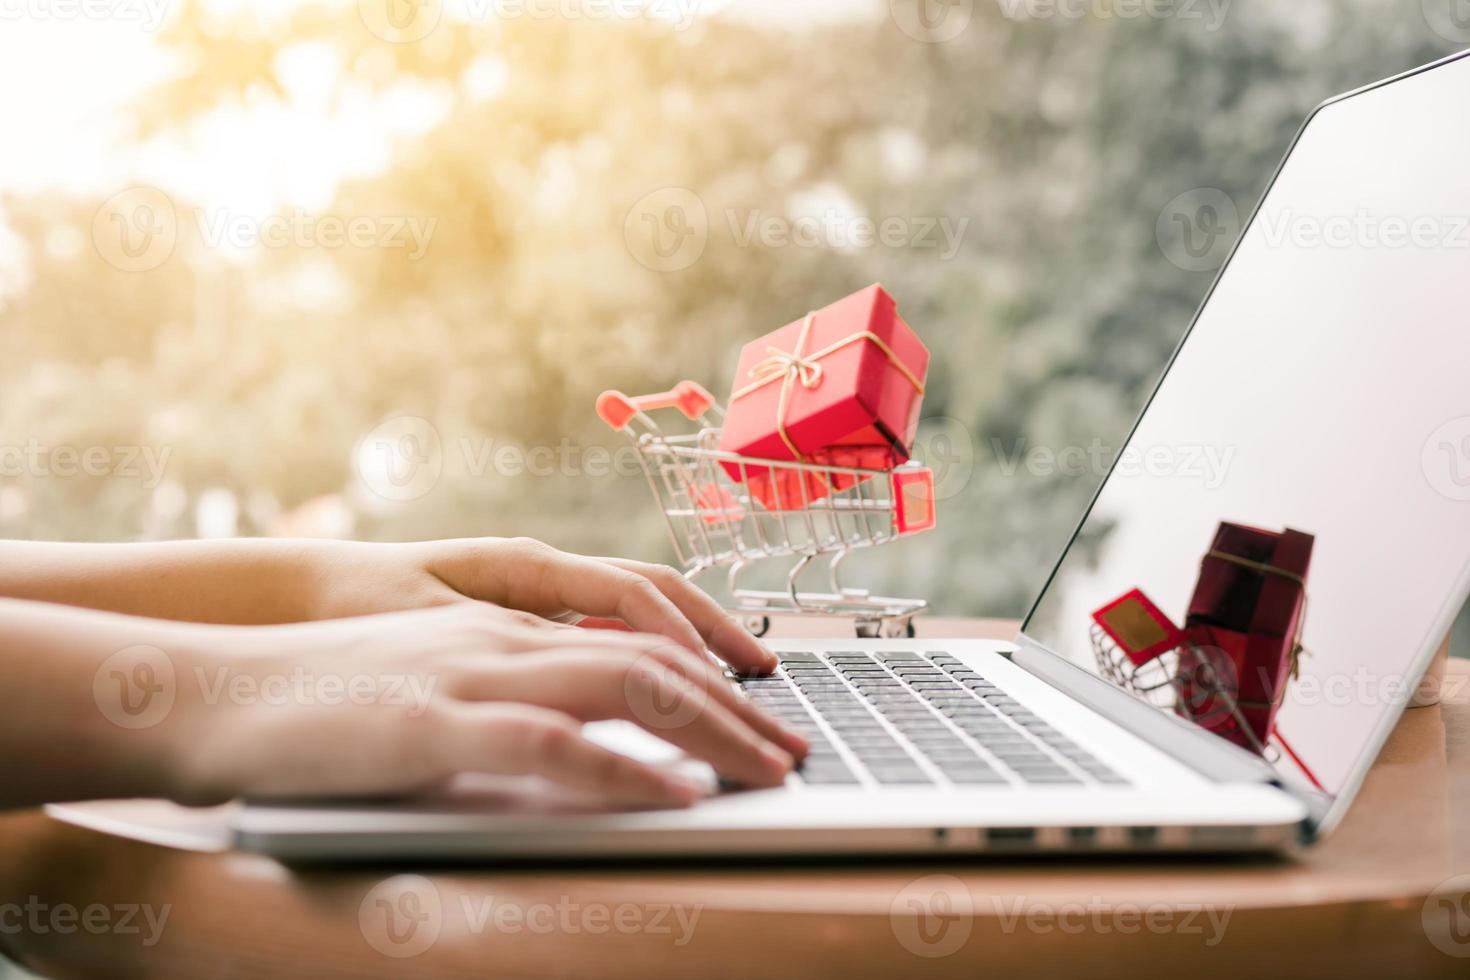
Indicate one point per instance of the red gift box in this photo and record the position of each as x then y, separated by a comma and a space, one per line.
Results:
1246, 613
840, 387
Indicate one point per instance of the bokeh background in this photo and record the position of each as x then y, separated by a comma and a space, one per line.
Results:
361, 269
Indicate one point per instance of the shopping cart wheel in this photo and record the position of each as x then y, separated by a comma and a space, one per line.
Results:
892, 629
757, 625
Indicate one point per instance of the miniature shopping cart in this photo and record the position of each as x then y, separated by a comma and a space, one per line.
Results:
717, 522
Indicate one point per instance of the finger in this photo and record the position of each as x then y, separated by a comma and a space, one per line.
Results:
728, 639
464, 669
709, 675
469, 681
518, 739
551, 579
592, 686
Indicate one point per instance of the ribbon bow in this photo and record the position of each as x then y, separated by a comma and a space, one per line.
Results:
792, 364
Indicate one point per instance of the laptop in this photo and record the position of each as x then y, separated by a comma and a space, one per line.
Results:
1220, 651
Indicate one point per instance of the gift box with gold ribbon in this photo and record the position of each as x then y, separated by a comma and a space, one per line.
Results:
842, 386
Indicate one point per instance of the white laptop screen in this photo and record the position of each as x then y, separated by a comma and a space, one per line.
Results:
1287, 532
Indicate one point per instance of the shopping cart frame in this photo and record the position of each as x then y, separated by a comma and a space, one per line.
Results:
716, 522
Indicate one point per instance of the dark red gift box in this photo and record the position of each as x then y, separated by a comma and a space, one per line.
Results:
841, 387
1247, 611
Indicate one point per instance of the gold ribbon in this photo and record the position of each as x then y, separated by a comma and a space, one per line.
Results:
795, 367
1297, 650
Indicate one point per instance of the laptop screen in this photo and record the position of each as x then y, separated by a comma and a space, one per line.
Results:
1284, 536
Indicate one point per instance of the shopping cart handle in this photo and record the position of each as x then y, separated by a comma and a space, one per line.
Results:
618, 409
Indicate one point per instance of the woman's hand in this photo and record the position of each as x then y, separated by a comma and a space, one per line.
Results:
524, 574
102, 705
262, 582
463, 689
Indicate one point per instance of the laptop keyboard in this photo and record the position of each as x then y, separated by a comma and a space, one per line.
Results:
916, 720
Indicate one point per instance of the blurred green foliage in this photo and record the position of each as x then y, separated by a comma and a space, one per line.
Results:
1057, 142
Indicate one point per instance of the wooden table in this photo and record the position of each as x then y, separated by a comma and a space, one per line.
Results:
1387, 896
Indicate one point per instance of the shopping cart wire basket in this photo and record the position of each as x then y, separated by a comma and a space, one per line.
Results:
716, 522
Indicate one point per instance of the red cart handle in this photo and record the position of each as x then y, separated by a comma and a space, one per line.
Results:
618, 409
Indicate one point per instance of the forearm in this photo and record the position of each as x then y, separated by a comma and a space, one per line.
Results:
244, 581
71, 728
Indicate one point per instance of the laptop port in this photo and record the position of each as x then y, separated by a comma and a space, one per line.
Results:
1143, 836
1011, 837
1081, 836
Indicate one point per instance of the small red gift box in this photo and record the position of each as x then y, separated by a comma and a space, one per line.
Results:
840, 387
1246, 612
